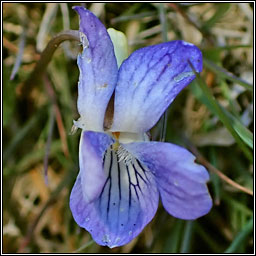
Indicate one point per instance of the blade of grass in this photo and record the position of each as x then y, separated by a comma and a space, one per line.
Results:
84, 246
238, 205
132, 17
19, 136
185, 246
227, 75
208, 239
50, 12
231, 47
221, 9
213, 106
65, 15
20, 54
48, 144
215, 178
162, 17
241, 236
28, 160
233, 106
172, 243
66, 26
245, 134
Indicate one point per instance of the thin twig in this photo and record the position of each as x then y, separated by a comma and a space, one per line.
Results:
48, 146
62, 130
9, 45
226, 74
58, 116
184, 15
189, 20
213, 169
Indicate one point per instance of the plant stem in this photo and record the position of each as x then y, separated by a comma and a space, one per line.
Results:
46, 57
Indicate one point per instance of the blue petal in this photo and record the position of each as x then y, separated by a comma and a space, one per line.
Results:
149, 80
91, 151
125, 197
181, 182
98, 71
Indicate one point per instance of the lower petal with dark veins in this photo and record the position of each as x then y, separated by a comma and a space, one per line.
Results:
126, 203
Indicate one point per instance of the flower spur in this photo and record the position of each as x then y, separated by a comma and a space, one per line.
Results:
122, 173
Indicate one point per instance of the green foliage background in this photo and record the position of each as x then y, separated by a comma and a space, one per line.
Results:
214, 115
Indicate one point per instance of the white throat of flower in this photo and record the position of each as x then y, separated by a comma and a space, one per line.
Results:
124, 156
125, 137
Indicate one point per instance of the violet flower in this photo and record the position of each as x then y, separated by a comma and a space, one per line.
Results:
122, 173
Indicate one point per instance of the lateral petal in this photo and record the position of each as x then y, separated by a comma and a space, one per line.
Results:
91, 152
181, 182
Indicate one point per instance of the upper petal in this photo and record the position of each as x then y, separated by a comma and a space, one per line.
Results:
181, 182
149, 80
111, 198
98, 71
